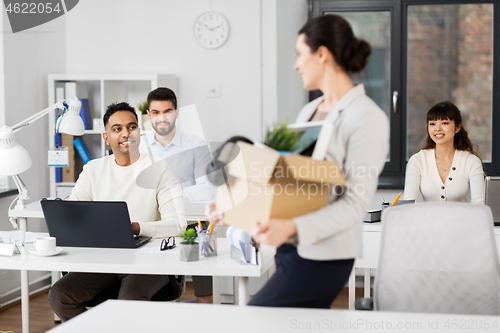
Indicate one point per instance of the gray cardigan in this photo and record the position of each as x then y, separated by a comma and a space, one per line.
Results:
359, 145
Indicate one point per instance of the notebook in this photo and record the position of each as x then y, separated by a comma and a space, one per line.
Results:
314, 140
90, 224
492, 197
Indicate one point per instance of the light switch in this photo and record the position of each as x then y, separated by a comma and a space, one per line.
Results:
213, 89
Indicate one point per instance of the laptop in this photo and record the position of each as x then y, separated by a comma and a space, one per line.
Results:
492, 197
91, 224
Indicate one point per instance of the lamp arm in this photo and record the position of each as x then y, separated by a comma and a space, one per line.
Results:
21, 197
23, 191
35, 117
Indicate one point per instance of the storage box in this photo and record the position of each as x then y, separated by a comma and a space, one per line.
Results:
373, 216
68, 173
264, 184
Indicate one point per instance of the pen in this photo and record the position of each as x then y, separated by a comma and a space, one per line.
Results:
214, 230
199, 223
210, 229
382, 199
397, 199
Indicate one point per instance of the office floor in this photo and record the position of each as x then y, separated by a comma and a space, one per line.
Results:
41, 316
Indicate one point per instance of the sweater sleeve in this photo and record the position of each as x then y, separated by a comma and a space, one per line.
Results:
476, 180
83, 187
171, 208
413, 178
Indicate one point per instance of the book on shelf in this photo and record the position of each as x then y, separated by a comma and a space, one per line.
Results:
85, 114
68, 173
82, 150
58, 170
76, 89
60, 91
68, 91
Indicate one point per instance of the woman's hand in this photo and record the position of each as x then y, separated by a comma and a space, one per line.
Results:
215, 216
275, 232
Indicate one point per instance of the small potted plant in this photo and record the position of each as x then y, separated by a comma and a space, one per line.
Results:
281, 138
146, 123
190, 250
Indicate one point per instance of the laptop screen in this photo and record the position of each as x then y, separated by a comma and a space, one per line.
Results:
492, 196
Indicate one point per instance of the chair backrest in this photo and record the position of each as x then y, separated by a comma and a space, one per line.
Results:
438, 258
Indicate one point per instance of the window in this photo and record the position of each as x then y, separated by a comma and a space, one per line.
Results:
425, 52
450, 58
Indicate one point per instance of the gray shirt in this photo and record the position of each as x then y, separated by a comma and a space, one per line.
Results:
189, 156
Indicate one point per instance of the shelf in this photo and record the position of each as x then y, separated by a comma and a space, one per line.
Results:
101, 90
66, 184
93, 132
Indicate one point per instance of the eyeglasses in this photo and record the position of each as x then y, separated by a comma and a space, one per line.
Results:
167, 243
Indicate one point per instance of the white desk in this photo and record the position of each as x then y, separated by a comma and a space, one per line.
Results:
136, 261
135, 316
194, 212
372, 233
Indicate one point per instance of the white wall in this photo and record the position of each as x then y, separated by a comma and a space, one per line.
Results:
255, 66
269, 88
291, 16
26, 59
151, 36
2, 95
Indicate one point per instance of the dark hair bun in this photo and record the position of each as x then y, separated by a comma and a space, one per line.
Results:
356, 55
335, 33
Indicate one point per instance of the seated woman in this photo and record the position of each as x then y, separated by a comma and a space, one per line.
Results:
447, 166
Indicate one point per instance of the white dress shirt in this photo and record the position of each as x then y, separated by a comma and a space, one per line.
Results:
466, 174
158, 209
189, 156
359, 146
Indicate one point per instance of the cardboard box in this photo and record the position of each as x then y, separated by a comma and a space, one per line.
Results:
68, 173
264, 184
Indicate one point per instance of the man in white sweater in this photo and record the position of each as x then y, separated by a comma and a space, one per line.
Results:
154, 200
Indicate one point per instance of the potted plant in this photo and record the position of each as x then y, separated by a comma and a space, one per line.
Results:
281, 138
190, 250
146, 123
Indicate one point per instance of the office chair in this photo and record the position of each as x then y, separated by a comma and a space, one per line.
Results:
437, 258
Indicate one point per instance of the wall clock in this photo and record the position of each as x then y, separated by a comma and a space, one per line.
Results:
211, 30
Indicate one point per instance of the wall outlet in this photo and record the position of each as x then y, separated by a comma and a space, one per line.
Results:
213, 89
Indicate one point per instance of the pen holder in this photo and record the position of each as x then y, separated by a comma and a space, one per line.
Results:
208, 243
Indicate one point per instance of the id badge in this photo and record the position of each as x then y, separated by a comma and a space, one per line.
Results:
57, 157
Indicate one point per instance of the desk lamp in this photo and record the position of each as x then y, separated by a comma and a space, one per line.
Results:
14, 159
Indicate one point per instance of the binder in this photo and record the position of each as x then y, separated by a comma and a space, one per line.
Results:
58, 171
82, 150
85, 114
76, 89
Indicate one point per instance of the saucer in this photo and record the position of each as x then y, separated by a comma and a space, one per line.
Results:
45, 254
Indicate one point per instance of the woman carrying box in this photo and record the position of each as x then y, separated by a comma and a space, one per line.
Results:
447, 167
315, 252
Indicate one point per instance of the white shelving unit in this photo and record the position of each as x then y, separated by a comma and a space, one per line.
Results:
104, 89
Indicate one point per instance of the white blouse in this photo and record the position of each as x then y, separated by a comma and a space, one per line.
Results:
466, 173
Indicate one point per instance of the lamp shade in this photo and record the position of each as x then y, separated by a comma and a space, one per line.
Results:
71, 122
14, 159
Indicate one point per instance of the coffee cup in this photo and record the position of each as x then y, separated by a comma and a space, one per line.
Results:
45, 244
